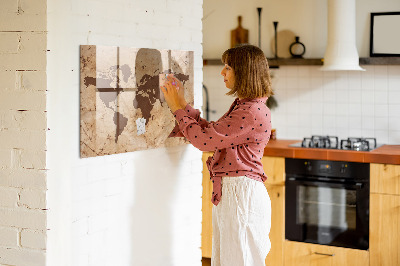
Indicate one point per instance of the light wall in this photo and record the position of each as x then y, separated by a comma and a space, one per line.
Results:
23, 128
311, 102
138, 208
343, 104
306, 19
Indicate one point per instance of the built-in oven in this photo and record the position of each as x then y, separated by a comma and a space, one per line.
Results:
327, 202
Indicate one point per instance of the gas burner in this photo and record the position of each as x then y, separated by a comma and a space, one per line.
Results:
332, 142
358, 144
327, 142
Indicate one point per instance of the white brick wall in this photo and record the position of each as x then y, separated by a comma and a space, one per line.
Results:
23, 132
11, 256
9, 237
23, 178
99, 208
138, 208
8, 197
34, 239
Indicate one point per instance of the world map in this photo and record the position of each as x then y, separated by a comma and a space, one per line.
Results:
122, 106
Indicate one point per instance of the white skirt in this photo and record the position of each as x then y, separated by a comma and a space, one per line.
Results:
241, 223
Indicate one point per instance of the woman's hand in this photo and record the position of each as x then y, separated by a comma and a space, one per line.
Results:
180, 88
174, 94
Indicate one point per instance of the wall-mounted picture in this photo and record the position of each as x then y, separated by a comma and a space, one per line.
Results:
122, 107
385, 37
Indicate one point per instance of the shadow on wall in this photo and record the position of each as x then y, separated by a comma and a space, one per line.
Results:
156, 187
156, 190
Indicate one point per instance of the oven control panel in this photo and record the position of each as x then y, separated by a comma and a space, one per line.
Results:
337, 169
325, 167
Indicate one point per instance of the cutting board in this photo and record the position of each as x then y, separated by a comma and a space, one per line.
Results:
239, 35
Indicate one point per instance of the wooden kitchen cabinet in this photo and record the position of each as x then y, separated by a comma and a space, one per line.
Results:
385, 215
206, 225
384, 236
385, 178
277, 233
305, 254
274, 168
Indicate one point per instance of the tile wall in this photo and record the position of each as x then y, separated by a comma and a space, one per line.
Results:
313, 102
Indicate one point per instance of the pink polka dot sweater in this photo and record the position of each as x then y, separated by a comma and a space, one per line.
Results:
238, 139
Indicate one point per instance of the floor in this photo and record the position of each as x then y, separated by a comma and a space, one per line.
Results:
206, 261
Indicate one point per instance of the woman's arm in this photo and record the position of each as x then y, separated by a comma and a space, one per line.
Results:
238, 128
175, 97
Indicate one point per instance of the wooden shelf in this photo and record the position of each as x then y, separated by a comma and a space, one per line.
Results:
212, 62
380, 61
274, 63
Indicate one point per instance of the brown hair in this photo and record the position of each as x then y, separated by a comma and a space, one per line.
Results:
250, 66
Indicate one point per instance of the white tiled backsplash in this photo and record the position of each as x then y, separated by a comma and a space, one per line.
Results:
339, 103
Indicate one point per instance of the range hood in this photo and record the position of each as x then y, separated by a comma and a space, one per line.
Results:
341, 51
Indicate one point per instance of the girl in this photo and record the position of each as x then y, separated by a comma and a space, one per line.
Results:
242, 209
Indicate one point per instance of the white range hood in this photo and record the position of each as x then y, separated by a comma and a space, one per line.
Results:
341, 51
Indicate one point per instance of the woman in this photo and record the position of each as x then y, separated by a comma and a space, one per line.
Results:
242, 208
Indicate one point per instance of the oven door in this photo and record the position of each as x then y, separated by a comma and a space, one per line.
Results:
327, 213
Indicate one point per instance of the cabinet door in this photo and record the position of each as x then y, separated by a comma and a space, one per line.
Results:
274, 168
206, 226
385, 178
304, 254
384, 230
277, 233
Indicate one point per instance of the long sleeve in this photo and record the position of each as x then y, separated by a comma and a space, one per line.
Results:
231, 130
238, 140
193, 113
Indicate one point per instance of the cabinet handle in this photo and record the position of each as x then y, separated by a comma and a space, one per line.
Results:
324, 254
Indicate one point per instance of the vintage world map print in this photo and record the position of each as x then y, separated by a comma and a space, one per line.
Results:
121, 105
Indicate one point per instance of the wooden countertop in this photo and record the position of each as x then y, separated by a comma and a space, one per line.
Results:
389, 154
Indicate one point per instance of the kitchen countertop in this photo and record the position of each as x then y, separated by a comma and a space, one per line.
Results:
389, 154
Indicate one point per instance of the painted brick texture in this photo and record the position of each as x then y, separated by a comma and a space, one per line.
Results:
138, 208
33, 239
112, 215
23, 125
9, 237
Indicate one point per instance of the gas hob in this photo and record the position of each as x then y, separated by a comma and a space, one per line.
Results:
332, 142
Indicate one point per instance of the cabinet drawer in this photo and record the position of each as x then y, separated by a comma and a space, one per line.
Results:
304, 254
